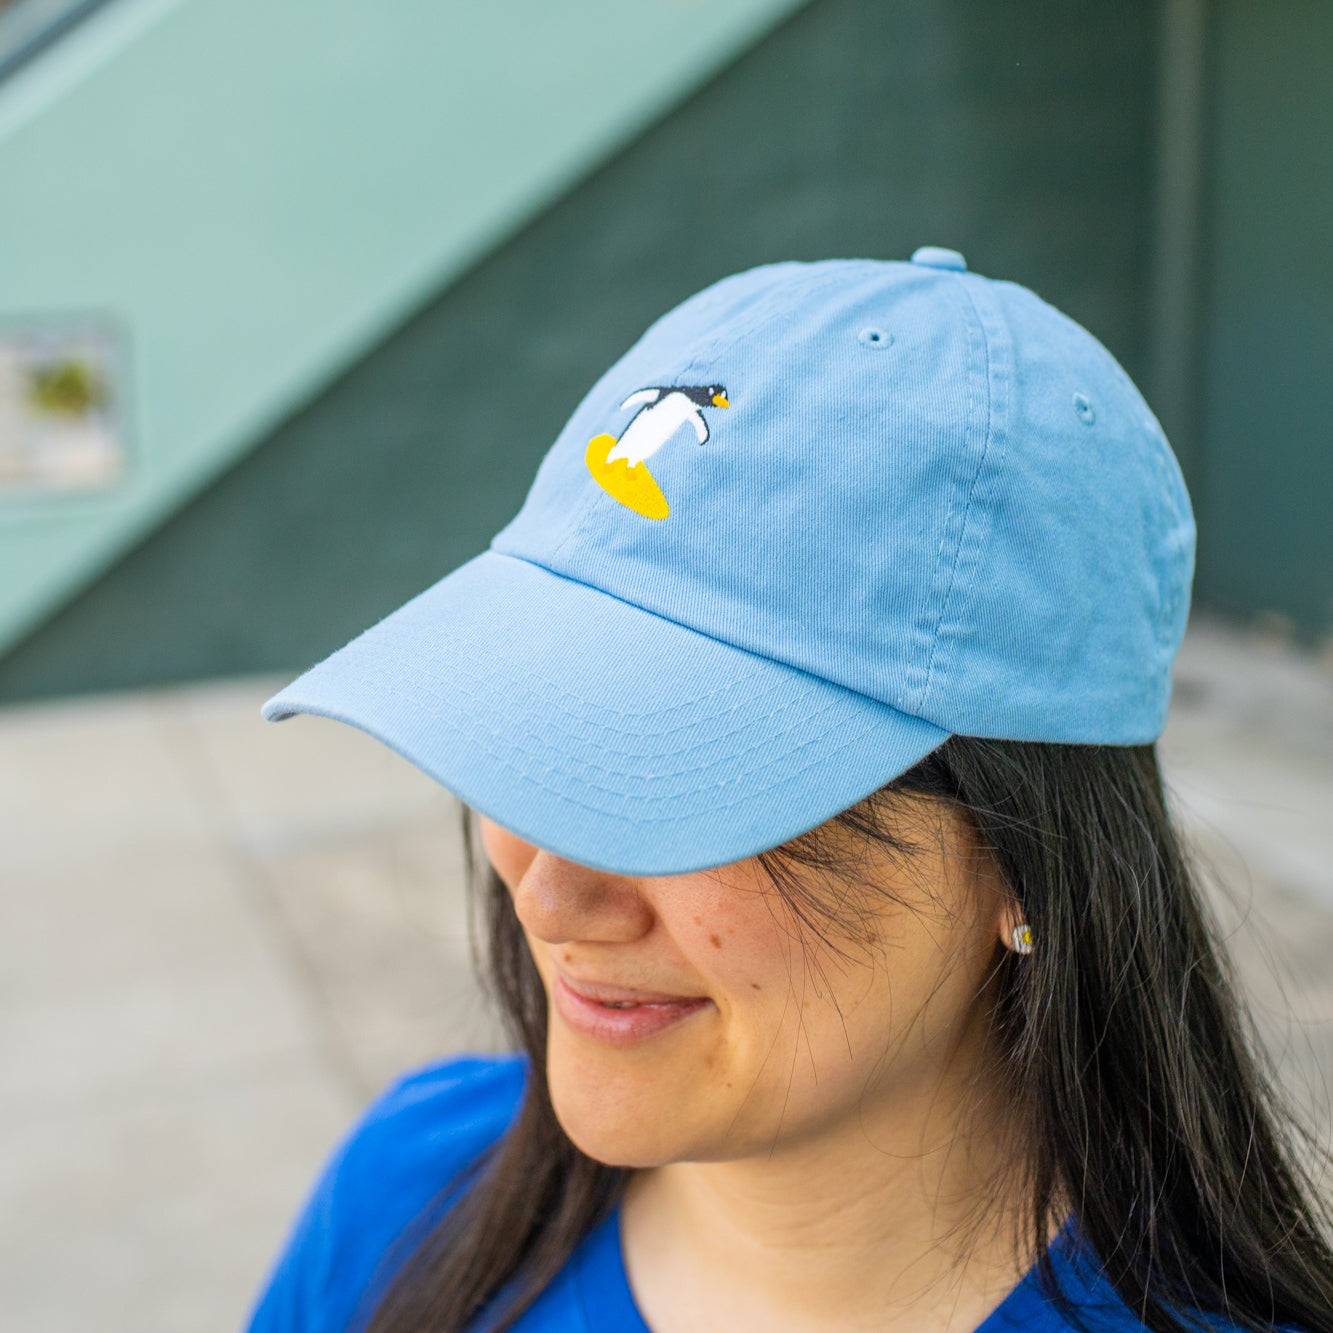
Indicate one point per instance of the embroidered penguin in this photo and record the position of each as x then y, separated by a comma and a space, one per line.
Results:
618, 466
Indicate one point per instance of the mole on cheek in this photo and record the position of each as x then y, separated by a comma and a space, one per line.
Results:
756, 985
714, 941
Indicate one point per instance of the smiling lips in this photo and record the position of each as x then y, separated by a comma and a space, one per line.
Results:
619, 1015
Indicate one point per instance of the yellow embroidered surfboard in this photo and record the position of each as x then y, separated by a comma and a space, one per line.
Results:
633, 486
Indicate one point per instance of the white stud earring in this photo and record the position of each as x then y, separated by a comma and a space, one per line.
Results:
1022, 938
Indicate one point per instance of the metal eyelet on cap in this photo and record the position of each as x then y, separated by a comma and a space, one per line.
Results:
1087, 414
875, 337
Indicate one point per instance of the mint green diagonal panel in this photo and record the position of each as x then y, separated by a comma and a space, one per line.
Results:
257, 192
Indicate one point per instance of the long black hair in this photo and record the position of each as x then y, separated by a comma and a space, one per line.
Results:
1148, 1110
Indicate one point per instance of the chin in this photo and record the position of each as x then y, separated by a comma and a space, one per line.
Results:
614, 1117
622, 1150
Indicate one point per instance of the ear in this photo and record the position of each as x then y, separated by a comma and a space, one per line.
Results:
998, 898
1009, 919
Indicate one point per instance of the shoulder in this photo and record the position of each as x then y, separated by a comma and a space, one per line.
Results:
426, 1126
406, 1147
1080, 1298
439, 1113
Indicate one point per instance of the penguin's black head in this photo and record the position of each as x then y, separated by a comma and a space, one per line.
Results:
711, 395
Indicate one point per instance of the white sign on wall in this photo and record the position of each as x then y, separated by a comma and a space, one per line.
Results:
61, 423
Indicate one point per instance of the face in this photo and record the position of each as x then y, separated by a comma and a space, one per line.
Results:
693, 1018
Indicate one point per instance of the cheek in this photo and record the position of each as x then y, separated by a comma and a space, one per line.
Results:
753, 965
805, 1012
744, 963
734, 942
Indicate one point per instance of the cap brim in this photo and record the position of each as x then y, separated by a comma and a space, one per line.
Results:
600, 731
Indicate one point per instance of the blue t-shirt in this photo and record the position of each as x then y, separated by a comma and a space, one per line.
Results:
433, 1121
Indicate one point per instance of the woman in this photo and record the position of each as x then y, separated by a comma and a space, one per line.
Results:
859, 980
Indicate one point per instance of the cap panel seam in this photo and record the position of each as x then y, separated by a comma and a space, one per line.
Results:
807, 284
1170, 487
976, 327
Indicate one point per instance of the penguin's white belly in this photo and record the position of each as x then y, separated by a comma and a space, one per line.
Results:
652, 428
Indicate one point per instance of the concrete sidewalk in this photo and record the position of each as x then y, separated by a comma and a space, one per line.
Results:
223, 937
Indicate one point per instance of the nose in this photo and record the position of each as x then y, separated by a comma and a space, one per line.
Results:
562, 902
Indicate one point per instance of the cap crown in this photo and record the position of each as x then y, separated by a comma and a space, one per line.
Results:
927, 486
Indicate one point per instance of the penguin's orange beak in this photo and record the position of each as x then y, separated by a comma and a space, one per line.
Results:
720, 400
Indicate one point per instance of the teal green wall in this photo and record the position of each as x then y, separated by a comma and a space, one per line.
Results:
1016, 133
1265, 479
256, 193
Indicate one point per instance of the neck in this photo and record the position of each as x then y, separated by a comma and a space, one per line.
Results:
884, 1223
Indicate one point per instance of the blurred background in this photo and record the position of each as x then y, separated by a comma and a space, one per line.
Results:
293, 299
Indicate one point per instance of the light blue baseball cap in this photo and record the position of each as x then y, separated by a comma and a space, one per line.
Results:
818, 518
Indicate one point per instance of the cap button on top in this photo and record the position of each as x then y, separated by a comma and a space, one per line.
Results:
934, 256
